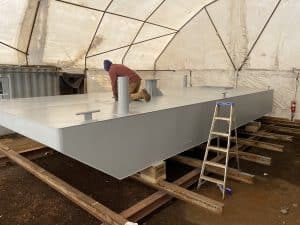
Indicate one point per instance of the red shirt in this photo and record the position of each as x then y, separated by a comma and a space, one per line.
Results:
119, 70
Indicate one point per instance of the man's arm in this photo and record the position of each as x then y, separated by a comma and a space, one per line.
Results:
114, 85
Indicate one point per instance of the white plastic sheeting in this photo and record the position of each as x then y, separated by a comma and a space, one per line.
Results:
11, 25
63, 34
67, 41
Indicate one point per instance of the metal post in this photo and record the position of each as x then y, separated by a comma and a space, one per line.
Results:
123, 95
185, 81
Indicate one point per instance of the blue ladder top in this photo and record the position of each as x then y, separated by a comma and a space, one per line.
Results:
225, 103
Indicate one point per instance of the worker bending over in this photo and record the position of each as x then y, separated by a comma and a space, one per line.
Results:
119, 70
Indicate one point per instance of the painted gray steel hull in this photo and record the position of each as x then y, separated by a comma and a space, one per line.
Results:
122, 146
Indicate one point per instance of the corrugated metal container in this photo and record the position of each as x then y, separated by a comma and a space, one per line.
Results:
28, 81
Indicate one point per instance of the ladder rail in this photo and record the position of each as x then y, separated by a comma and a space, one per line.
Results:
232, 125
206, 149
236, 142
227, 153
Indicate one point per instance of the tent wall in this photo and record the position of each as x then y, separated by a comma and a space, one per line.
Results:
239, 22
75, 38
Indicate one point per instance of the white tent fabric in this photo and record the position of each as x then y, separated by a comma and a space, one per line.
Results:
162, 34
63, 34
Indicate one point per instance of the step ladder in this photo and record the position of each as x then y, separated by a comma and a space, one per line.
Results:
230, 122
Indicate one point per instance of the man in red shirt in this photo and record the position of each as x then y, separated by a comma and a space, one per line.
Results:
119, 70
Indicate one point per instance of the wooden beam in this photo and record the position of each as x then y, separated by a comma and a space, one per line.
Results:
31, 155
158, 199
253, 126
20, 144
25, 150
285, 124
232, 173
287, 130
260, 144
268, 135
184, 195
155, 173
280, 120
253, 157
85, 202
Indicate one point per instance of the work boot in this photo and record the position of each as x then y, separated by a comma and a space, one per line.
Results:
145, 95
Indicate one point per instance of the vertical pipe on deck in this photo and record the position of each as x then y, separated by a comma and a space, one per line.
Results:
123, 95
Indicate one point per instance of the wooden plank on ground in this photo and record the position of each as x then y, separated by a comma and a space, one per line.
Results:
84, 201
184, 195
264, 160
268, 135
284, 124
281, 121
288, 130
277, 119
20, 144
260, 144
29, 155
232, 173
158, 199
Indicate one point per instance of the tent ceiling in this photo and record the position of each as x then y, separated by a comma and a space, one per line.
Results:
80, 33
72, 33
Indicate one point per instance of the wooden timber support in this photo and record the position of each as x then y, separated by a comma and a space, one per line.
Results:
288, 130
251, 157
184, 194
260, 144
280, 121
20, 144
31, 155
284, 124
155, 173
25, 146
85, 202
232, 173
158, 199
268, 135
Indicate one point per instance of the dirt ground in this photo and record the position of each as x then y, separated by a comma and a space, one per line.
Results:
24, 200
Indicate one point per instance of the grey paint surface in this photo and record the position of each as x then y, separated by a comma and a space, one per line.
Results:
123, 145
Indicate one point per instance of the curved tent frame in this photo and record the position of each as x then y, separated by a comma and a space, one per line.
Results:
173, 32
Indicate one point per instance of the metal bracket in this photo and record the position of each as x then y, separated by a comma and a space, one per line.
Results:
88, 115
151, 87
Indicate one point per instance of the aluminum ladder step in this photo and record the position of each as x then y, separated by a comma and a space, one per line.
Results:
218, 149
213, 180
215, 164
220, 134
222, 118
231, 122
